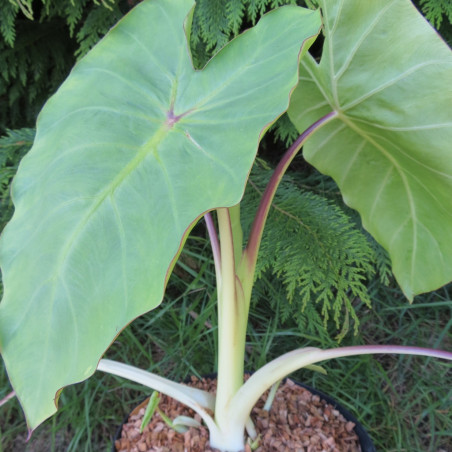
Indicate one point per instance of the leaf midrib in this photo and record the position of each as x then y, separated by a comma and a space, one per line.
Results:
149, 147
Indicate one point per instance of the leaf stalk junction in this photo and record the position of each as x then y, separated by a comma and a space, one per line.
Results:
235, 268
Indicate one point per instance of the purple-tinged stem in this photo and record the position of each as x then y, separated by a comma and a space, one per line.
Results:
232, 321
172, 119
8, 397
386, 349
296, 359
279, 368
257, 228
215, 243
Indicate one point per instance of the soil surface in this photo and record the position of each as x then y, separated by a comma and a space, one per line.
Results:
298, 421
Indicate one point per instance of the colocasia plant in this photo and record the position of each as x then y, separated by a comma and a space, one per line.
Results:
137, 146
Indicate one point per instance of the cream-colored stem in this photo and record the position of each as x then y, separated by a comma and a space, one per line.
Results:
196, 399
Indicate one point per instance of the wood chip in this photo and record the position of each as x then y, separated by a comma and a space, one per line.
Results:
298, 421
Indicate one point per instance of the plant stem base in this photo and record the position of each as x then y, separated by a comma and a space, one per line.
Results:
297, 421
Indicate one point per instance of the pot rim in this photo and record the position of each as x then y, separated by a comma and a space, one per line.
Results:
365, 440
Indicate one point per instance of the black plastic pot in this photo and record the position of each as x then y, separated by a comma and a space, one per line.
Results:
365, 440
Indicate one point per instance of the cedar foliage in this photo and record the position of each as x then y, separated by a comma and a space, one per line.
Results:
13, 146
316, 249
439, 14
39, 43
216, 22
436, 11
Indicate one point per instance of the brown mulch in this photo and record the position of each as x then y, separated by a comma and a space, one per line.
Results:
298, 421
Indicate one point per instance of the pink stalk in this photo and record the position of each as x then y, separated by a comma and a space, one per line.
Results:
215, 243
257, 228
387, 349
296, 359
8, 397
279, 368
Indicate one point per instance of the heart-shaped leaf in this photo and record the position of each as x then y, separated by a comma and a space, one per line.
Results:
129, 152
387, 75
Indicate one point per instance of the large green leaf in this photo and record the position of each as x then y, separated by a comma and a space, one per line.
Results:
129, 152
388, 76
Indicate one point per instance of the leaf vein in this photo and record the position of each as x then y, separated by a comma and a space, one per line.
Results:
390, 83
122, 237
352, 161
379, 192
328, 138
407, 128
361, 40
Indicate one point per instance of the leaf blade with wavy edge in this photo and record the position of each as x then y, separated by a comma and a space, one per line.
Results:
387, 74
130, 151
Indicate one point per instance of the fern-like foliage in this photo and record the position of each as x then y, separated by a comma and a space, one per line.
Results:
439, 14
39, 43
13, 146
28, 77
318, 252
97, 22
71, 11
215, 22
436, 11
284, 131
9, 11
270, 298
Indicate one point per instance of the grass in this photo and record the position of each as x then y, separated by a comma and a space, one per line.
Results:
404, 402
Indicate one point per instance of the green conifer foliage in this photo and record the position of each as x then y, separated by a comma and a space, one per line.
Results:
317, 250
13, 146
439, 14
436, 11
39, 42
216, 22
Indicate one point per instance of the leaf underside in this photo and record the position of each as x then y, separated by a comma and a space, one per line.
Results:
129, 152
388, 75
